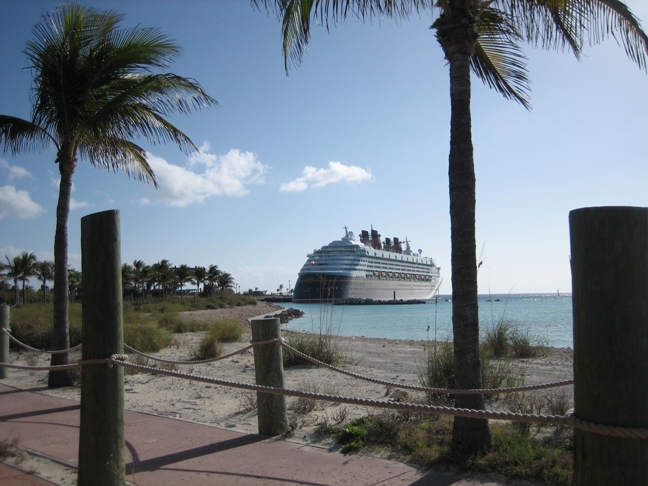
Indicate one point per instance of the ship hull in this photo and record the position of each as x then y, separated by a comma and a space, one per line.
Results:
318, 288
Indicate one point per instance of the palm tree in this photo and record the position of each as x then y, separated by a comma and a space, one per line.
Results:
225, 281
45, 272
141, 273
75, 282
128, 280
484, 35
200, 275
163, 275
20, 268
182, 276
212, 277
93, 93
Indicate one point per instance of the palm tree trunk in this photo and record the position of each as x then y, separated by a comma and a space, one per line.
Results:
61, 335
468, 435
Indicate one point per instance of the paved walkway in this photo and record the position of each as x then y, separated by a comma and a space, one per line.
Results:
163, 451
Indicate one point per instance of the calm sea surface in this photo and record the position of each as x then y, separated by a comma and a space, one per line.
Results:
542, 316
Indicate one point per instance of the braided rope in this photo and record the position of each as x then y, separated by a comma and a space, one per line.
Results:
70, 366
447, 391
26, 346
187, 362
567, 420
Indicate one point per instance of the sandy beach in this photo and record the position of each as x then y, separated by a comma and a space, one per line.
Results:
399, 362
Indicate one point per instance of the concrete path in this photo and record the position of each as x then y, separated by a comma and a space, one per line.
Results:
162, 451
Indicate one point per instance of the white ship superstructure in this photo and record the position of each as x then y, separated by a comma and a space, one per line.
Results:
346, 270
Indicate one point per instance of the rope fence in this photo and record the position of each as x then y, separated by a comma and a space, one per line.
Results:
569, 420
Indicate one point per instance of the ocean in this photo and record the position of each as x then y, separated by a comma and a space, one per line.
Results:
546, 318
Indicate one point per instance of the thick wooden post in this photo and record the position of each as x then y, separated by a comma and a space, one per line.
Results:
268, 369
4, 339
101, 437
609, 258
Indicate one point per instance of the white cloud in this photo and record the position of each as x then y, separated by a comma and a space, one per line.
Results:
205, 175
18, 204
75, 205
15, 172
336, 173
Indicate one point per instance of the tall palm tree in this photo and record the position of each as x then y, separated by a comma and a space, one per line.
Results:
485, 36
75, 284
212, 277
45, 272
183, 275
225, 282
94, 92
163, 275
20, 268
128, 280
141, 272
200, 275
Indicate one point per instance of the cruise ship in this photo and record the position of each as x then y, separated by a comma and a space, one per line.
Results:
348, 270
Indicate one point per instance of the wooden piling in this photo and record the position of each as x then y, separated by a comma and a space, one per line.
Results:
101, 436
4, 339
609, 259
268, 369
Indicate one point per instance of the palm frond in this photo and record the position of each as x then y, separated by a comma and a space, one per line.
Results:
559, 24
18, 135
117, 154
498, 59
296, 17
612, 18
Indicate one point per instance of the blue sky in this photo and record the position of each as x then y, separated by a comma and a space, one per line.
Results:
358, 135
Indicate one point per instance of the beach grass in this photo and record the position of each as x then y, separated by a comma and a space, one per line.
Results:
33, 323
218, 332
506, 339
425, 442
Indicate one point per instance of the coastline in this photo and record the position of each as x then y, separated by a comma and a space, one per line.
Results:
397, 361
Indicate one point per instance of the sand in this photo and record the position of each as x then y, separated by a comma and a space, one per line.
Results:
399, 362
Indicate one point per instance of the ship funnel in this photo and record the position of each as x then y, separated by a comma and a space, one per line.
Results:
364, 238
397, 246
388, 245
375, 240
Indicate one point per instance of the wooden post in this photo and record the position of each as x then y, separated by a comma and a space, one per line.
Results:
101, 437
268, 369
4, 339
609, 258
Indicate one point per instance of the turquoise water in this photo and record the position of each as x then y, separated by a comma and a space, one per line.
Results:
542, 316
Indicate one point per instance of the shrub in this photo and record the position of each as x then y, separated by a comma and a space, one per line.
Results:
146, 337
34, 325
497, 338
174, 323
507, 339
209, 348
438, 372
322, 347
219, 332
226, 331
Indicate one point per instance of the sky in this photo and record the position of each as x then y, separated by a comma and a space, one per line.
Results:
356, 136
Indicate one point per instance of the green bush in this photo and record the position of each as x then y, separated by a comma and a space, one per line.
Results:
226, 331
34, 325
497, 338
322, 347
507, 339
219, 332
210, 347
172, 322
146, 337
438, 372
